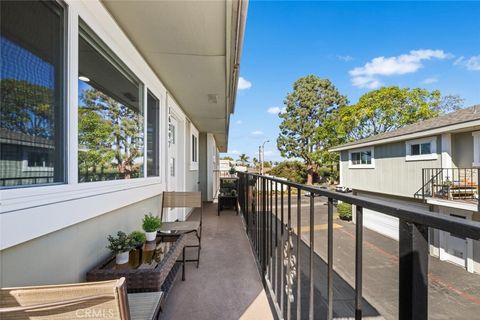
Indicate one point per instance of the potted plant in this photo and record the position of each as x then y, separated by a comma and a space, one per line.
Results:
150, 225
120, 246
232, 171
138, 238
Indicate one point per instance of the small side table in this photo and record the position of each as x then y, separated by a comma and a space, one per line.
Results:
227, 200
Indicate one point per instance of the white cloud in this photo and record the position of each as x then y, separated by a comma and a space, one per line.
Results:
257, 132
238, 122
472, 63
234, 152
244, 84
346, 58
430, 80
276, 110
368, 75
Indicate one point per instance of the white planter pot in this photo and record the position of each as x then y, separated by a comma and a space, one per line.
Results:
151, 236
122, 257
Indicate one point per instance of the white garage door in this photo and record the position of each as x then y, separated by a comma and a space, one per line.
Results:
381, 223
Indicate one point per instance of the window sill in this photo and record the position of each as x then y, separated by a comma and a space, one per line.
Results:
23, 198
362, 166
32, 212
422, 157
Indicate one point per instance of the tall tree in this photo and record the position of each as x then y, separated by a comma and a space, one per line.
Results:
124, 127
27, 108
302, 131
390, 108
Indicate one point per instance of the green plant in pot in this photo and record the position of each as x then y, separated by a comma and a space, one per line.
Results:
150, 225
120, 246
232, 171
138, 238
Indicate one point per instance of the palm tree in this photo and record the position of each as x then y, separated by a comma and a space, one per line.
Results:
243, 158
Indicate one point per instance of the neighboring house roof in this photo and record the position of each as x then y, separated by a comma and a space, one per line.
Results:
23, 139
468, 117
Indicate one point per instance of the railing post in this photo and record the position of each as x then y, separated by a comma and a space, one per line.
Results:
358, 262
264, 229
423, 184
478, 190
330, 260
246, 185
413, 277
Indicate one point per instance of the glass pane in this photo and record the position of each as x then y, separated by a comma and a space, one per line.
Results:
367, 157
425, 148
415, 149
110, 118
355, 158
31, 81
153, 132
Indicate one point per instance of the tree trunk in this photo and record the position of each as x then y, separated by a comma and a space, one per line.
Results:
310, 172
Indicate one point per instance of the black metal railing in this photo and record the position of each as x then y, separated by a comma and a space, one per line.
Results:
451, 184
291, 270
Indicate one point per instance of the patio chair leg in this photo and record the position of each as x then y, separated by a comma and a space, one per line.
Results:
199, 248
183, 265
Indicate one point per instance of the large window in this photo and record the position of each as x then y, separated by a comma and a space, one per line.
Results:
32, 93
153, 132
361, 158
110, 114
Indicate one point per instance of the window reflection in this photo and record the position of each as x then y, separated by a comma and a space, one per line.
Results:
31, 86
110, 116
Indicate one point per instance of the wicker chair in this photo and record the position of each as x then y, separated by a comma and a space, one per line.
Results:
183, 200
94, 300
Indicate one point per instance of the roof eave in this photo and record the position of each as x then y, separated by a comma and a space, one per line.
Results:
408, 136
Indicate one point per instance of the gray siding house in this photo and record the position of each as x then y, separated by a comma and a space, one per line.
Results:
432, 164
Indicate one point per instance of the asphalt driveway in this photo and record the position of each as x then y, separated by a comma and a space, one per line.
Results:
454, 293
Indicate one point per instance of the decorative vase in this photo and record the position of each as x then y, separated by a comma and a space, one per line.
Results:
151, 236
122, 257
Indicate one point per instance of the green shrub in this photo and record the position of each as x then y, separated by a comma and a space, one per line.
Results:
151, 223
138, 238
121, 243
344, 211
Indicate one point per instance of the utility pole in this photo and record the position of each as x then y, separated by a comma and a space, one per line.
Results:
260, 155
262, 149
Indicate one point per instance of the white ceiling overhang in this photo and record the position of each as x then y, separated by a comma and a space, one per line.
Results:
194, 48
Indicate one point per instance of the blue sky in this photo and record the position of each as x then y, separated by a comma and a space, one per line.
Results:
359, 46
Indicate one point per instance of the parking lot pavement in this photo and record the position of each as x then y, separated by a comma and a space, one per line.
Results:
454, 293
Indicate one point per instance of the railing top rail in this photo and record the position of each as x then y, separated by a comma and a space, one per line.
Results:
450, 168
466, 228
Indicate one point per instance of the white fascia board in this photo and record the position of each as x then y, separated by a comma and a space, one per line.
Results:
453, 204
414, 135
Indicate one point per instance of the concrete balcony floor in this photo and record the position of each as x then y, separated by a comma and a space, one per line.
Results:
227, 284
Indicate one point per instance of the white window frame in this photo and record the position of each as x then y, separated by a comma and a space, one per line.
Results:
361, 166
421, 157
193, 133
476, 149
42, 209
